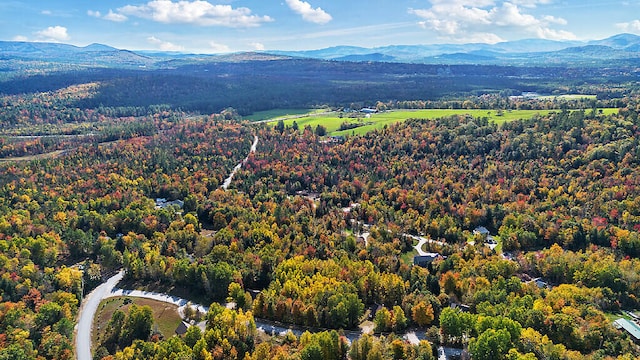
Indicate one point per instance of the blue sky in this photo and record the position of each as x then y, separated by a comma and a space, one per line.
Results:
215, 26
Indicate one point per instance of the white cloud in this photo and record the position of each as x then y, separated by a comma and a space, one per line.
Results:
547, 33
53, 33
197, 12
46, 12
632, 26
111, 16
317, 15
554, 20
164, 45
530, 3
257, 46
466, 20
20, 38
218, 48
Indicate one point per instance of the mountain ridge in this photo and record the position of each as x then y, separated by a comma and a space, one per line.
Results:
521, 52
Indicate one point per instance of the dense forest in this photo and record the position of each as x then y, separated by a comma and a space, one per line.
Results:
286, 242
250, 85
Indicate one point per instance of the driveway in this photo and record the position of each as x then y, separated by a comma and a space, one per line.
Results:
87, 312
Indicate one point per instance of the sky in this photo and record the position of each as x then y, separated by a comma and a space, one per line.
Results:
220, 26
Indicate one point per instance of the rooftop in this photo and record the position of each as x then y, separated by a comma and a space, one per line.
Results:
629, 326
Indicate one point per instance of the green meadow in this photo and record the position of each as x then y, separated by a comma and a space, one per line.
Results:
276, 114
332, 121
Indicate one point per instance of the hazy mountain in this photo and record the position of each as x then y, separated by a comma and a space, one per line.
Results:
521, 52
536, 52
91, 55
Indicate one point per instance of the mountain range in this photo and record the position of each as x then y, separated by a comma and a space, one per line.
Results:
529, 52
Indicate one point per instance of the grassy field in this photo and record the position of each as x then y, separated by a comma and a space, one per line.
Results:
277, 114
333, 121
165, 315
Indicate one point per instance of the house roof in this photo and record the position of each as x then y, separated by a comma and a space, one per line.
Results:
182, 328
632, 328
481, 230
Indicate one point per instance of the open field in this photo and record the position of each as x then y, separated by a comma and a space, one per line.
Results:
333, 121
48, 155
165, 315
277, 114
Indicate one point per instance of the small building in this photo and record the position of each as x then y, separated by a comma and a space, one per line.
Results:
481, 230
162, 203
461, 307
368, 110
182, 328
425, 259
630, 327
540, 283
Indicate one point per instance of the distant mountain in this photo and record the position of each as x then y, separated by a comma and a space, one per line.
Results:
377, 57
521, 52
620, 42
91, 55
528, 52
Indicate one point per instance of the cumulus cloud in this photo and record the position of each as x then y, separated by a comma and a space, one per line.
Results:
218, 48
530, 3
111, 16
197, 12
317, 15
53, 33
20, 38
257, 46
465, 20
632, 26
164, 45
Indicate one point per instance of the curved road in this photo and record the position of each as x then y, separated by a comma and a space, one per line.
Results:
108, 289
87, 311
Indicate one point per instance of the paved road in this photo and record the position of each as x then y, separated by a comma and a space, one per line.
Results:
87, 311
227, 181
108, 289
421, 241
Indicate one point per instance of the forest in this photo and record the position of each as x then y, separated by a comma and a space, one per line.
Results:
261, 83
286, 242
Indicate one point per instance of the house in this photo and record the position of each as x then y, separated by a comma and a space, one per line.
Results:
630, 327
425, 259
368, 110
461, 307
540, 283
182, 328
162, 203
481, 230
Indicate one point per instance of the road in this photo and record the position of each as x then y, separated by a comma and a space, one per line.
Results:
87, 312
108, 289
227, 181
423, 240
